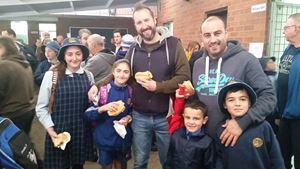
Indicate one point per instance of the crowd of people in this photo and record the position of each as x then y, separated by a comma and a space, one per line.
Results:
242, 115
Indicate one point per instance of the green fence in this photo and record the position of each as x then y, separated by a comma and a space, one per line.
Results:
279, 14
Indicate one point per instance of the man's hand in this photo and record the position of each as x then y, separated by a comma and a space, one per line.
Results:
93, 93
231, 133
149, 85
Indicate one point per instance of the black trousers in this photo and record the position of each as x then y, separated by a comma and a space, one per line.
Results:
24, 122
289, 141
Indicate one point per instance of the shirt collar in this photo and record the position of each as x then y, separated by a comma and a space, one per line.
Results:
197, 133
79, 71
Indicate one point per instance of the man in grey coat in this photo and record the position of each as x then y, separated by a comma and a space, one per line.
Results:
100, 63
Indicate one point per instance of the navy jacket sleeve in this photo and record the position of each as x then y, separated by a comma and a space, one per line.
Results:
91, 114
210, 156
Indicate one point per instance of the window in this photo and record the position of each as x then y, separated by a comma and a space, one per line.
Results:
21, 29
222, 13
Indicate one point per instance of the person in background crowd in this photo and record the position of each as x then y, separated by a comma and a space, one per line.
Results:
60, 39
127, 41
225, 61
83, 35
99, 63
17, 98
269, 67
61, 105
23, 49
192, 47
51, 52
195, 56
288, 93
117, 35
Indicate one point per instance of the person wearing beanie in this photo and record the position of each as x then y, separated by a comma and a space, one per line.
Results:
127, 41
61, 105
51, 52
257, 147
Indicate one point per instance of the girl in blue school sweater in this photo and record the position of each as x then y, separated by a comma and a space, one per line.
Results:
113, 149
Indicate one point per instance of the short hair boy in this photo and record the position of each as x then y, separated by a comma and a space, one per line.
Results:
190, 147
257, 147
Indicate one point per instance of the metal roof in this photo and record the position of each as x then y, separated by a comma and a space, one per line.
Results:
24, 8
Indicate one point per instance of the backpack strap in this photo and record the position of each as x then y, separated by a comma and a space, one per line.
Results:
104, 94
4, 123
53, 89
88, 73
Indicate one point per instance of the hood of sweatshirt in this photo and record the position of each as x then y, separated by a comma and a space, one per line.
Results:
162, 31
109, 58
19, 59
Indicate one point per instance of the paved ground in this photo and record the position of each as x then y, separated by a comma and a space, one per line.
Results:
37, 135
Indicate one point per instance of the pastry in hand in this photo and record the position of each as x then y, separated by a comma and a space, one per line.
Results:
120, 109
62, 138
143, 75
189, 87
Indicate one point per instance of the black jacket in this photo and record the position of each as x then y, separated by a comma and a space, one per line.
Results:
197, 152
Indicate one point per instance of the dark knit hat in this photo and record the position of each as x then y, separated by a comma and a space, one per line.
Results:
54, 46
229, 86
263, 61
72, 42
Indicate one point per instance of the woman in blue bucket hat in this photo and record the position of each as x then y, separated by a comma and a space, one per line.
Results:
61, 103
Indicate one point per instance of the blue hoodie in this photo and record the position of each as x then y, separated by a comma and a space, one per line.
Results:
210, 75
289, 83
105, 136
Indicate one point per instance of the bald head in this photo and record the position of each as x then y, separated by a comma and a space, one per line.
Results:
295, 17
213, 19
95, 43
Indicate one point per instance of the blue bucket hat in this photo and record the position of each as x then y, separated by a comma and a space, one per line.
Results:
229, 86
54, 46
72, 42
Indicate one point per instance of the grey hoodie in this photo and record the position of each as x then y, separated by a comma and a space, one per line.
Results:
100, 65
209, 76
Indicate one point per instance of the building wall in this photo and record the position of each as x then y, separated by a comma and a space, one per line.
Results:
187, 16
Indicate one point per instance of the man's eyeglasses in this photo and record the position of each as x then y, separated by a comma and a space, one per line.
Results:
286, 27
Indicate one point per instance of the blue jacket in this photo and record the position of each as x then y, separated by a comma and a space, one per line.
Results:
40, 71
190, 152
288, 91
105, 136
256, 148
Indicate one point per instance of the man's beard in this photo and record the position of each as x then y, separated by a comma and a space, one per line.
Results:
151, 36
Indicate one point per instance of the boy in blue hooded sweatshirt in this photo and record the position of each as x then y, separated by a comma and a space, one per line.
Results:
257, 147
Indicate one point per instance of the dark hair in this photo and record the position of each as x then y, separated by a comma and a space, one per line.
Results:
141, 6
194, 103
110, 77
11, 32
9, 45
117, 31
235, 89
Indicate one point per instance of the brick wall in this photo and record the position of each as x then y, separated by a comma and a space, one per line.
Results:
187, 16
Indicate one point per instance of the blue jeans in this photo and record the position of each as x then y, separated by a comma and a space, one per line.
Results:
142, 126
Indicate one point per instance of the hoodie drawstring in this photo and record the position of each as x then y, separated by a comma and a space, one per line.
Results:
218, 73
206, 70
167, 52
218, 76
131, 60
